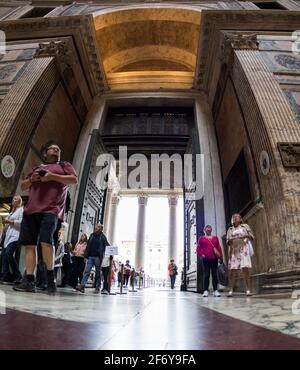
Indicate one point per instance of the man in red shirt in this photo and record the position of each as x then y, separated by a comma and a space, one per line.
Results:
48, 187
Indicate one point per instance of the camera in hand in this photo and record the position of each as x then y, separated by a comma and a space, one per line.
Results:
42, 173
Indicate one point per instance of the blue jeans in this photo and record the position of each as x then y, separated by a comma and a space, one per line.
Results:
173, 278
9, 260
92, 261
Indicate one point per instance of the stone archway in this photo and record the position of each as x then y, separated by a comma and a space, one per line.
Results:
149, 48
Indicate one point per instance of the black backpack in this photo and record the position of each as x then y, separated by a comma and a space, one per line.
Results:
68, 198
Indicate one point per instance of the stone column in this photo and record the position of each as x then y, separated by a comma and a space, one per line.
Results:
140, 232
266, 111
172, 243
107, 212
112, 218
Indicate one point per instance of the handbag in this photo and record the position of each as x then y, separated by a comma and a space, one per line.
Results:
222, 274
250, 246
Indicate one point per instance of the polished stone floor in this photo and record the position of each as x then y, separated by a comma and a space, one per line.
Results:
151, 319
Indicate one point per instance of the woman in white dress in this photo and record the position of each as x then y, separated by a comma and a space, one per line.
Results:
239, 238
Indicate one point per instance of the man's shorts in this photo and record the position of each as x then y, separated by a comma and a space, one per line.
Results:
38, 226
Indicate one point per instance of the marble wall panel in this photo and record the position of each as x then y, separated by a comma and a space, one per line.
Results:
293, 96
58, 122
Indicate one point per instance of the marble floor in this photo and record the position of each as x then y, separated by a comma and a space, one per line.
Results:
149, 319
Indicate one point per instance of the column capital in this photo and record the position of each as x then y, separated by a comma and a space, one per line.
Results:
172, 199
59, 49
236, 41
240, 41
115, 199
142, 199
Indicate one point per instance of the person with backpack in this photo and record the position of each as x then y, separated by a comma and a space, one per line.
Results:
47, 185
209, 249
173, 271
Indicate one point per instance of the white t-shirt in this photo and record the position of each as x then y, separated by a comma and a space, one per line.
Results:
12, 232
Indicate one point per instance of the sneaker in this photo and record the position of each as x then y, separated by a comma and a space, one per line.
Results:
96, 291
6, 282
248, 293
104, 291
80, 288
217, 294
205, 294
17, 281
230, 293
42, 287
51, 286
25, 286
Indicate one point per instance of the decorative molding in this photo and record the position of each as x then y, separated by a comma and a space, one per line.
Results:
242, 41
290, 154
264, 161
214, 24
60, 49
79, 27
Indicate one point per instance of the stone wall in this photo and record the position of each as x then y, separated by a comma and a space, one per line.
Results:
232, 139
58, 122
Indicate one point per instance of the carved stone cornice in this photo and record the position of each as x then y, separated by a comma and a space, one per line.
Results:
241, 41
236, 41
79, 27
216, 23
60, 49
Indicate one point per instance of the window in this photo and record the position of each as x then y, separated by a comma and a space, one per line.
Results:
269, 5
37, 12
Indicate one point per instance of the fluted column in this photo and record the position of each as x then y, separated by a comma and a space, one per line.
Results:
172, 243
266, 111
112, 218
140, 233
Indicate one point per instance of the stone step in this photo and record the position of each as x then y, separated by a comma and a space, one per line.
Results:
283, 279
274, 289
277, 286
288, 273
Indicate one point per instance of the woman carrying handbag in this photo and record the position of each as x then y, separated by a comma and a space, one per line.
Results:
210, 250
239, 240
